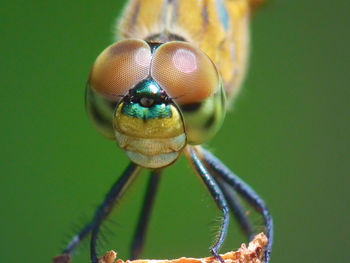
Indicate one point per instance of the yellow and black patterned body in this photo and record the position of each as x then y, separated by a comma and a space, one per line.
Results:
187, 57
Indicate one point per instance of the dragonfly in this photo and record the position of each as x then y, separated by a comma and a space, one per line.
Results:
162, 90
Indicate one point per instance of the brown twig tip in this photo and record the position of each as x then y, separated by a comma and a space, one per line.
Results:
251, 254
109, 257
64, 258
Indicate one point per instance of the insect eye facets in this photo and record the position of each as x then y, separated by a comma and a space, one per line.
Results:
147, 102
119, 67
185, 71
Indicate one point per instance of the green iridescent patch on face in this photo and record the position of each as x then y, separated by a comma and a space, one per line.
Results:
148, 87
157, 111
147, 101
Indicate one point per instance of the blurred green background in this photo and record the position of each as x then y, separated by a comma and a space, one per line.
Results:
288, 137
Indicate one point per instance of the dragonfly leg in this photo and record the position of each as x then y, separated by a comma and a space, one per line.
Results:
86, 230
218, 196
106, 207
77, 239
245, 191
237, 208
141, 230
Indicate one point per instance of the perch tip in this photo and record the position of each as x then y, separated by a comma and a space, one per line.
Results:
253, 253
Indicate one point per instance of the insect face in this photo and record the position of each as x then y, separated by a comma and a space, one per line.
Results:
149, 127
153, 98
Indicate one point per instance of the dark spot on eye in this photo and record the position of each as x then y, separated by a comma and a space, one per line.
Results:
97, 115
146, 102
210, 121
191, 107
112, 104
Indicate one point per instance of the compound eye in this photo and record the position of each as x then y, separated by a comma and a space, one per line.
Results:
120, 67
185, 72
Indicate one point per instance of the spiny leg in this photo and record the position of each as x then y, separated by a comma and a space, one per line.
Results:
218, 197
106, 207
86, 230
77, 239
237, 208
141, 230
246, 191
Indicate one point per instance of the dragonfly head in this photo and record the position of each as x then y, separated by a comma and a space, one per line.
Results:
149, 126
154, 98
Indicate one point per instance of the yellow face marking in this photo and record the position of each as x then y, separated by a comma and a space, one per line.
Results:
151, 147
151, 143
150, 128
